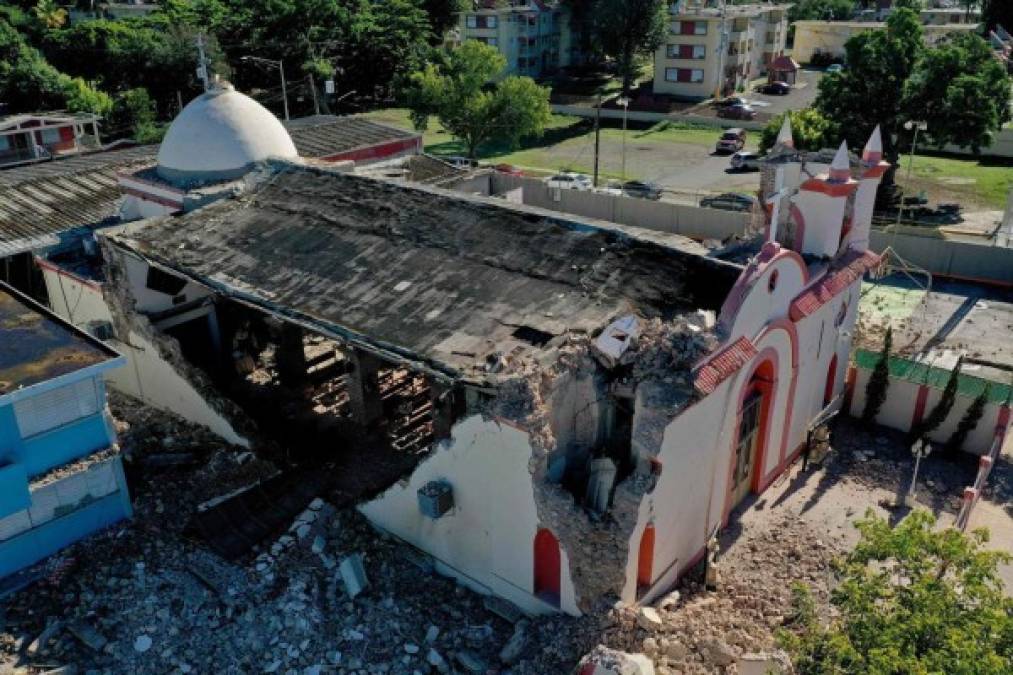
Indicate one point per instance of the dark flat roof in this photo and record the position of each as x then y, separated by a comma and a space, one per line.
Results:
432, 275
38, 346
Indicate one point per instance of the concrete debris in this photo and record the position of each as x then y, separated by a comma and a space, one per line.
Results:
605, 661
142, 644
649, 619
776, 662
618, 336
514, 647
353, 575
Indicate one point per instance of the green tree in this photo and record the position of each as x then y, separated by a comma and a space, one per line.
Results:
969, 422
28, 82
869, 91
134, 114
961, 91
442, 15
879, 381
913, 5
912, 599
50, 14
627, 30
458, 93
810, 130
389, 41
825, 10
942, 408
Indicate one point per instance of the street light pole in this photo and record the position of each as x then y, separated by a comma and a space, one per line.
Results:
281, 69
917, 126
625, 103
920, 450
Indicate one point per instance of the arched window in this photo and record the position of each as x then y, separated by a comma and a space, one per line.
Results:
547, 567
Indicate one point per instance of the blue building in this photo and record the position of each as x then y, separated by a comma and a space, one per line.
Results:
60, 472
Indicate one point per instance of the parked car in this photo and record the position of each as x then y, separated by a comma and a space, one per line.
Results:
729, 201
746, 161
835, 68
777, 88
613, 187
642, 189
732, 140
508, 169
730, 101
568, 180
737, 112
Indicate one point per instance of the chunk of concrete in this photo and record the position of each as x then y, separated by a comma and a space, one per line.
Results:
764, 663
649, 619
88, 636
604, 661
353, 575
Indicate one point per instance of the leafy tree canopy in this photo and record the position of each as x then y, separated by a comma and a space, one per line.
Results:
913, 599
826, 10
626, 30
458, 93
810, 130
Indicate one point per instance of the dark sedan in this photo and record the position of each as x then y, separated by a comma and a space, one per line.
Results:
729, 201
642, 189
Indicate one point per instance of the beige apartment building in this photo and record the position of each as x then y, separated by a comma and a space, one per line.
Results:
715, 49
829, 37
535, 36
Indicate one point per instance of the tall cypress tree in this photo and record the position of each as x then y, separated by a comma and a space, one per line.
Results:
969, 422
942, 408
879, 381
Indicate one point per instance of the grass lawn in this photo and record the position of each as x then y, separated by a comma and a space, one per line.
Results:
975, 184
567, 144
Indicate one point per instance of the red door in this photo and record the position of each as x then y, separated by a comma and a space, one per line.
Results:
828, 391
547, 567
645, 559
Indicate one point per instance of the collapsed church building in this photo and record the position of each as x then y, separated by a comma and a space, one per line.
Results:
557, 410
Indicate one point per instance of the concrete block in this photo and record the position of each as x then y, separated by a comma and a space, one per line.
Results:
353, 575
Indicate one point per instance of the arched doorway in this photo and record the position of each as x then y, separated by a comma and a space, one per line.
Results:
547, 567
751, 437
645, 559
828, 390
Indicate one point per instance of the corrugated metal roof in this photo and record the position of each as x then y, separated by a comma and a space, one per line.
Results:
53, 198
326, 135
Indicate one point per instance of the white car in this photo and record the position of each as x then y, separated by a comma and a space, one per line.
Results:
570, 181
743, 160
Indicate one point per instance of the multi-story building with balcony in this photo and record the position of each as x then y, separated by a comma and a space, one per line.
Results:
60, 473
27, 138
714, 49
535, 36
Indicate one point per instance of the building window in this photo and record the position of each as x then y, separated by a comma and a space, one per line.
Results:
492, 42
677, 28
50, 136
687, 51
683, 75
699, 28
471, 21
56, 407
490, 22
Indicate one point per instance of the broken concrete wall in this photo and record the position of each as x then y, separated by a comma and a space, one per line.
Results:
487, 539
156, 371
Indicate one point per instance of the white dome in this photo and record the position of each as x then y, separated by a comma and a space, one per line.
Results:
218, 135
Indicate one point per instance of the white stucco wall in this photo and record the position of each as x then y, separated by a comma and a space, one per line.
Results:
898, 411
146, 376
487, 540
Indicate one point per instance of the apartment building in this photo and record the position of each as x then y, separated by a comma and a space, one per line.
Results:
535, 36
829, 37
716, 49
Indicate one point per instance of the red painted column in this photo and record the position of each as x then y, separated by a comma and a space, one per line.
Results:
920, 402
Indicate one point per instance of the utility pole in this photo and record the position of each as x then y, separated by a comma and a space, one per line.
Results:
597, 138
313, 90
202, 61
625, 103
281, 70
722, 49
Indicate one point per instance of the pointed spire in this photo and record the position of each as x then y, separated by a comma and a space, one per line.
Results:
840, 168
873, 152
784, 136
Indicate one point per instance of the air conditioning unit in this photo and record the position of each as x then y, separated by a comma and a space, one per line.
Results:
436, 498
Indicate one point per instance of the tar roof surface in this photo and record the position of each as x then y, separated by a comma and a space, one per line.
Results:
955, 317
437, 276
37, 347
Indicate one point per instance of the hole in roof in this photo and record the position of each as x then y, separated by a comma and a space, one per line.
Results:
538, 338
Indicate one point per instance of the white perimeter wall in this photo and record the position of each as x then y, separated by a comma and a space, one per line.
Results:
147, 376
487, 540
898, 411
